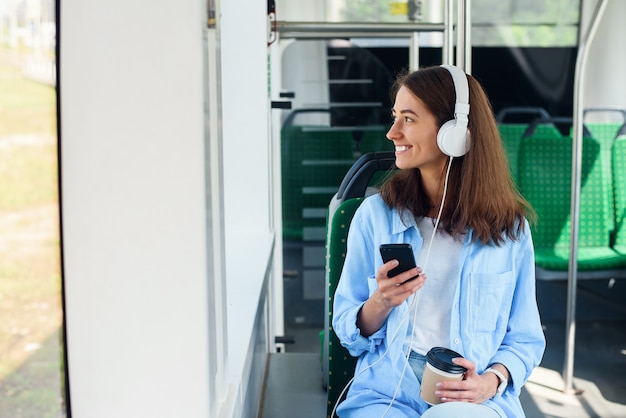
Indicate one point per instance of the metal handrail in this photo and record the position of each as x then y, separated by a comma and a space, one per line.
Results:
330, 30
325, 30
579, 78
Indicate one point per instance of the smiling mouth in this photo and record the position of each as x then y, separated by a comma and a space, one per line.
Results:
401, 148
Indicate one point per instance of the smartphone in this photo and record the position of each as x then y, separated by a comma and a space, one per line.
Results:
401, 252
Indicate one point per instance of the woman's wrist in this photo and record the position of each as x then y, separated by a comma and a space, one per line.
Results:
371, 316
493, 382
502, 376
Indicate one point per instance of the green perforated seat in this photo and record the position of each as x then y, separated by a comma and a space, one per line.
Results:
619, 193
605, 134
314, 162
374, 140
545, 181
340, 363
511, 135
605, 127
512, 124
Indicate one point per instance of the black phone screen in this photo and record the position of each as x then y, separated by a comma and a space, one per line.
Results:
401, 252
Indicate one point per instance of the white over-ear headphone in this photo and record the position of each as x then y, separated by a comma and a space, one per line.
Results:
453, 137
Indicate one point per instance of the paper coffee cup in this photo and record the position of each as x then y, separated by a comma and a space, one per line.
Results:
439, 368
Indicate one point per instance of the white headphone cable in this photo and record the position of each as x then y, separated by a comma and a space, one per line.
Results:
413, 303
393, 337
412, 307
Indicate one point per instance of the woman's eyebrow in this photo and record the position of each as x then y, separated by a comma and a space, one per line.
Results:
404, 111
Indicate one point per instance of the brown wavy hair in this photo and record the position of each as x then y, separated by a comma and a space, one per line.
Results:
481, 194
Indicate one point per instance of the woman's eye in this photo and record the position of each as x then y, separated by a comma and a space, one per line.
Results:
406, 119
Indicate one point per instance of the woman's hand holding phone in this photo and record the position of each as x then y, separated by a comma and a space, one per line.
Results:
393, 290
399, 277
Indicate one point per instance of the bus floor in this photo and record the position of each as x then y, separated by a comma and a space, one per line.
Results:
294, 380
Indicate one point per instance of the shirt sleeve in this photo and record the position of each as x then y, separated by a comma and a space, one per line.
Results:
524, 343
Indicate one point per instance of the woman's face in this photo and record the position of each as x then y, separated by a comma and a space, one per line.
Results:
414, 134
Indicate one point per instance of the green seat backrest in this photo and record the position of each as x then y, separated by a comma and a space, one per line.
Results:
314, 161
340, 363
511, 134
374, 140
545, 181
546, 130
619, 192
606, 133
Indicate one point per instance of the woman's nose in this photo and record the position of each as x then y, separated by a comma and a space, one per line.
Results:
392, 133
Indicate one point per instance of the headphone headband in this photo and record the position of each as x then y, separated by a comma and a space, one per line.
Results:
459, 78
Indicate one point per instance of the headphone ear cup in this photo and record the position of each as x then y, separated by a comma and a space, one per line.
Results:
453, 140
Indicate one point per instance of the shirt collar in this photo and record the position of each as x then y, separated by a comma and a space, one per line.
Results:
405, 221
402, 221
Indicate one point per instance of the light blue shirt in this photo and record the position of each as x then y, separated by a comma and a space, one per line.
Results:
494, 315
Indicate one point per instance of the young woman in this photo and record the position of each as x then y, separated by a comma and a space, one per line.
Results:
454, 202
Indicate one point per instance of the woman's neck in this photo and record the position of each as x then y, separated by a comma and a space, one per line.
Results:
432, 181
434, 191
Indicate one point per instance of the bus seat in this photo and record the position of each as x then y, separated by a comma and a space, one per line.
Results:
337, 364
553, 127
511, 135
375, 140
619, 192
545, 181
603, 124
512, 123
314, 161
605, 132
563, 126
519, 113
603, 128
315, 157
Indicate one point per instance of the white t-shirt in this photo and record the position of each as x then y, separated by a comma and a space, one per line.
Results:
430, 320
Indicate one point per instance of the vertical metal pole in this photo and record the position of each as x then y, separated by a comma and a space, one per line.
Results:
414, 52
579, 76
467, 19
463, 36
448, 33
460, 34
